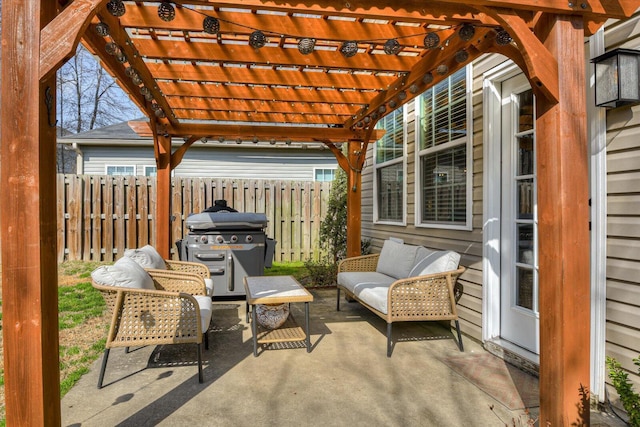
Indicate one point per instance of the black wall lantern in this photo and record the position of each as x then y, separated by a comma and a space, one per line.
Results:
617, 78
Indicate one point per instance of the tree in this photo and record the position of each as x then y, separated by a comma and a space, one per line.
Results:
88, 98
333, 230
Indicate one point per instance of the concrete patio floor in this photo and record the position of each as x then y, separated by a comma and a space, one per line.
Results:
346, 379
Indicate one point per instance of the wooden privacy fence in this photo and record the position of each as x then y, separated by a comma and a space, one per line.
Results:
99, 217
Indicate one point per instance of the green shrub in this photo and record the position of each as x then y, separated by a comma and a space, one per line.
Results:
322, 272
630, 399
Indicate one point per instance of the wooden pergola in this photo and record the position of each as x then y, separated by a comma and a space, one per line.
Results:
317, 70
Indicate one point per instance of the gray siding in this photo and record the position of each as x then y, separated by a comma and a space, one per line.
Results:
623, 219
256, 163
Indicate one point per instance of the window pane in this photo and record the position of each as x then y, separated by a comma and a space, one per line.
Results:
390, 193
120, 170
443, 115
391, 145
444, 186
150, 171
325, 175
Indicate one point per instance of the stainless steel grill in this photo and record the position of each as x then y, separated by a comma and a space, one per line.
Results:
232, 244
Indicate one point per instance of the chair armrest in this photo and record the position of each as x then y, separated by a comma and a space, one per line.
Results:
188, 267
176, 281
148, 317
429, 297
359, 263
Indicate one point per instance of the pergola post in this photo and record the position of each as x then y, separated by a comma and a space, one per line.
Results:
29, 223
563, 213
355, 160
163, 194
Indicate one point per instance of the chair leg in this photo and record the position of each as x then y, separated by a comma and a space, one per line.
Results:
126, 350
389, 344
103, 367
206, 340
338, 301
200, 376
460, 346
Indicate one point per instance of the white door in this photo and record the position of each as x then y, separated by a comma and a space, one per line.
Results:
519, 231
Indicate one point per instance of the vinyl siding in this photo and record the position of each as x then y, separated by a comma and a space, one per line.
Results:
623, 219
255, 163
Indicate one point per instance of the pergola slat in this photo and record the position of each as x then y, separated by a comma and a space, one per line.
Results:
264, 93
239, 54
291, 77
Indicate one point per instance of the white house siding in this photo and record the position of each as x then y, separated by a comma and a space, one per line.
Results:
256, 163
623, 218
467, 243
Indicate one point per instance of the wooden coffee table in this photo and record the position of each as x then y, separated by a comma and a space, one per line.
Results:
277, 290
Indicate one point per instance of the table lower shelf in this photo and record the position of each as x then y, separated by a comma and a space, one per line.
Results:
289, 331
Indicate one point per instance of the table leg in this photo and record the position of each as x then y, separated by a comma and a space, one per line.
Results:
306, 321
254, 330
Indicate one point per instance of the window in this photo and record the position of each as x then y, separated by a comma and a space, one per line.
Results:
389, 169
150, 171
324, 175
121, 170
444, 149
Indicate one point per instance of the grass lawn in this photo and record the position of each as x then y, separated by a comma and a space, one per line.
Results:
84, 321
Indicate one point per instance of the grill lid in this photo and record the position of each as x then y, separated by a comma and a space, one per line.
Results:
211, 221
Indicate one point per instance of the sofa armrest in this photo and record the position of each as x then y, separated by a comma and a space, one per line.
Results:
359, 263
188, 267
176, 281
430, 297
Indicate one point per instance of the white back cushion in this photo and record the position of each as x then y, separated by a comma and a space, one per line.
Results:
396, 259
125, 273
436, 262
147, 257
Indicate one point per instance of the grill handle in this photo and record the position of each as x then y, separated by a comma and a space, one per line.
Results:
210, 257
230, 273
218, 271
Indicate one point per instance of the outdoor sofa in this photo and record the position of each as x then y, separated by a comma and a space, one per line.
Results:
404, 283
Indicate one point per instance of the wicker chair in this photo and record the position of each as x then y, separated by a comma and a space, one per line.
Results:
423, 298
177, 311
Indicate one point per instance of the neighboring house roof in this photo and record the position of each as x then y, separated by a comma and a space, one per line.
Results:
122, 133
113, 133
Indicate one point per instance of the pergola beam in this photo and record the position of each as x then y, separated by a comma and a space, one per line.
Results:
231, 131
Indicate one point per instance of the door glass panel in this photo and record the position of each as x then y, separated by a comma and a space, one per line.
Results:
525, 155
525, 198
525, 111
524, 292
525, 244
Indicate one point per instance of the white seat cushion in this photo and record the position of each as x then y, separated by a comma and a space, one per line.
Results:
436, 262
369, 286
125, 273
396, 259
147, 256
204, 302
